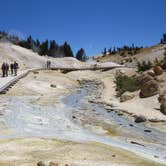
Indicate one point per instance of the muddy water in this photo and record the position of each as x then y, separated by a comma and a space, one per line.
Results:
79, 120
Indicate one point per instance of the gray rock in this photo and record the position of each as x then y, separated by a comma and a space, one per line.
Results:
126, 96
53, 86
35, 72
149, 89
41, 163
53, 164
145, 78
140, 119
74, 117
162, 100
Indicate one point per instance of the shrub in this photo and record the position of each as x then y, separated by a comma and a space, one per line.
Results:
144, 65
156, 62
165, 55
130, 60
125, 83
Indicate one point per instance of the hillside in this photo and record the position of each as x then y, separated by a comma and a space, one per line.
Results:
27, 59
147, 54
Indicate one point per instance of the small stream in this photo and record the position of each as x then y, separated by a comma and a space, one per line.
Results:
126, 133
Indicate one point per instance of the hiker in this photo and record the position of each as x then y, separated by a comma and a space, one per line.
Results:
3, 69
15, 67
12, 68
6, 69
48, 64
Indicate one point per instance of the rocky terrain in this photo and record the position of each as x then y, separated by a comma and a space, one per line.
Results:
144, 54
78, 118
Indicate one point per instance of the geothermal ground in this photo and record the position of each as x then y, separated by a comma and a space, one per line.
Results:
75, 119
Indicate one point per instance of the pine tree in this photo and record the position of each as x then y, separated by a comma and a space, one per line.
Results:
105, 51
44, 48
67, 50
29, 42
164, 38
161, 41
114, 50
53, 49
133, 46
37, 43
110, 50
80, 55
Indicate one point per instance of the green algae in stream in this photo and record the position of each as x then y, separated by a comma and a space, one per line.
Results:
34, 141
112, 132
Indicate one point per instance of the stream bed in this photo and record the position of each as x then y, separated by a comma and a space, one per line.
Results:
78, 119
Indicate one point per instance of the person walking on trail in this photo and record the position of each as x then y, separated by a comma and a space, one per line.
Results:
3, 69
48, 64
6, 69
12, 68
15, 67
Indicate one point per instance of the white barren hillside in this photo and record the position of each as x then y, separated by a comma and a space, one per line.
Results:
28, 59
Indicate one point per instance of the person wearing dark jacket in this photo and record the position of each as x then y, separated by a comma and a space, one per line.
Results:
11, 68
6, 69
3, 69
15, 67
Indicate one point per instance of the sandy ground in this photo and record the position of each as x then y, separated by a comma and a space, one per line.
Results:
27, 152
39, 84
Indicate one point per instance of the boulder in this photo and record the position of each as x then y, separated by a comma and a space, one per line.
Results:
53, 86
126, 96
163, 64
140, 119
158, 70
35, 72
146, 78
53, 164
149, 89
150, 72
162, 100
41, 163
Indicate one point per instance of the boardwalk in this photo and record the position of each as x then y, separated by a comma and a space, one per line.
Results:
7, 82
65, 70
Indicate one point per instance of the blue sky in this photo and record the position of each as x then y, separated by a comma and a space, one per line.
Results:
91, 24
